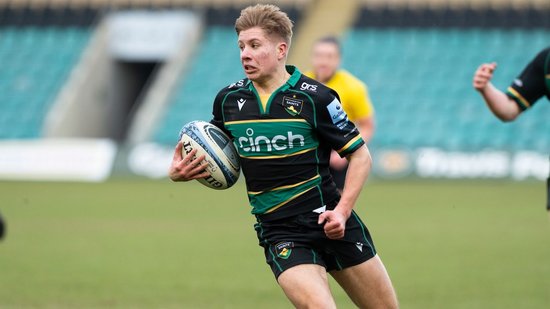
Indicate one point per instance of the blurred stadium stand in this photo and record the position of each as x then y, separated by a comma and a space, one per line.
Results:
417, 56
216, 65
418, 62
420, 83
37, 62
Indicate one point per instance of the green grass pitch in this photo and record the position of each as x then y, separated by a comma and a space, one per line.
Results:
142, 244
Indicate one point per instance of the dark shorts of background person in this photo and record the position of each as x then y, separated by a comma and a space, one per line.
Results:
301, 240
2, 227
339, 177
548, 191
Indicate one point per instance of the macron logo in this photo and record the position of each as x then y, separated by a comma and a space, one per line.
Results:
241, 102
320, 210
518, 82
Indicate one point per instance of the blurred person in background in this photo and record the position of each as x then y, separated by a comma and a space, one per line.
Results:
326, 58
2, 227
305, 226
532, 84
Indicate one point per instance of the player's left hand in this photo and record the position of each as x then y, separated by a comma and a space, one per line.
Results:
335, 223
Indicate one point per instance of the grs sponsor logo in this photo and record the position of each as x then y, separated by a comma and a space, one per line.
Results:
237, 84
518, 82
251, 143
306, 86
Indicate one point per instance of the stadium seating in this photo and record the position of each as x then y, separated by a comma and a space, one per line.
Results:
216, 65
420, 84
37, 61
419, 81
419, 77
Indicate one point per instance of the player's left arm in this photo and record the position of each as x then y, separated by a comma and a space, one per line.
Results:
359, 168
337, 130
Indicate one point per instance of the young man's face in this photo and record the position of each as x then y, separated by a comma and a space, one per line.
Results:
325, 60
260, 53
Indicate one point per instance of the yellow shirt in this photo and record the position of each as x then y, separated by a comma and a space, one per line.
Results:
354, 94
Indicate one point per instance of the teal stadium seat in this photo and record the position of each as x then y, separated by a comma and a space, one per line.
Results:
38, 62
215, 66
419, 81
420, 85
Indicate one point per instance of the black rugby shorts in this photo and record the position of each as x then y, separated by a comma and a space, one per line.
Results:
301, 240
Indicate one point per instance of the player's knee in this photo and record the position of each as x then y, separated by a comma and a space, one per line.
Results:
315, 303
311, 299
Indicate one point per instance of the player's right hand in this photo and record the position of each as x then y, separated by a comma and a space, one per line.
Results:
334, 223
187, 168
483, 75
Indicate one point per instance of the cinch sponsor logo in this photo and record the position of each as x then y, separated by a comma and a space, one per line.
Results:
251, 143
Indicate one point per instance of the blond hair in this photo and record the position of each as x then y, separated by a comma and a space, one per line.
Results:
268, 17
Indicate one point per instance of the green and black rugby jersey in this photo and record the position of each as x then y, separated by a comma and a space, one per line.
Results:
285, 149
533, 82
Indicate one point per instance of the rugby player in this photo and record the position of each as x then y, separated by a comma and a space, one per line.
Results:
285, 125
531, 85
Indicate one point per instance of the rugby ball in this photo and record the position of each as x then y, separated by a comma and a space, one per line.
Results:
220, 153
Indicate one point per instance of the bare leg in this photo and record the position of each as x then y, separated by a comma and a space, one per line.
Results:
368, 285
306, 286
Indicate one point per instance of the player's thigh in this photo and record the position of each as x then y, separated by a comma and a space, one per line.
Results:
368, 284
306, 286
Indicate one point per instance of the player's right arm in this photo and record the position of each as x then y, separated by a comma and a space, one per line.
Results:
187, 168
360, 163
498, 102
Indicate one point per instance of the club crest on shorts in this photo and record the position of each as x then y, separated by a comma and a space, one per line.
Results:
284, 249
292, 105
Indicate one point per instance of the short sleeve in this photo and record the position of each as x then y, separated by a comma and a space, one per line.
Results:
530, 85
336, 129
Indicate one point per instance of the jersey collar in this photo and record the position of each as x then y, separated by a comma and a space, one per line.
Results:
294, 75
291, 82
